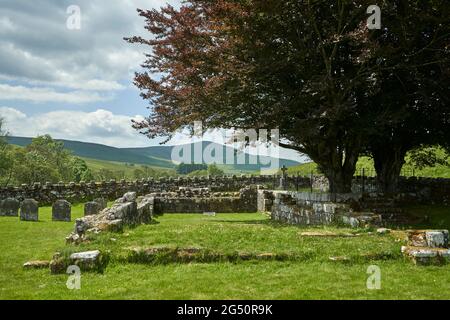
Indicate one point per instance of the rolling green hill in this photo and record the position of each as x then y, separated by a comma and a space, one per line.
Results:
126, 168
156, 156
102, 152
250, 163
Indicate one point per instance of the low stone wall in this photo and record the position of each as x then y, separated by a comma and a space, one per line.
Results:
305, 208
424, 190
427, 190
418, 189
237, 202
82, 192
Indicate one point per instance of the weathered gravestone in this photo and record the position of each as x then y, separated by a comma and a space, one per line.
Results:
61, 210
102, 202
92, 208
9, 207
29, 210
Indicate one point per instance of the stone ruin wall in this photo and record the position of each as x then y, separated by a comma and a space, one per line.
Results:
81, 192
421, 189
236, 202
425, 190
306, 208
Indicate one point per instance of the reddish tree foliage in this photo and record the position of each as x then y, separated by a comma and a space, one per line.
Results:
306, 67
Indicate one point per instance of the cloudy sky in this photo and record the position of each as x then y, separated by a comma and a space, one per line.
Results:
73, 83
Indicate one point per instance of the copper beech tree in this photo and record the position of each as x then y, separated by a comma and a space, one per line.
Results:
308, 68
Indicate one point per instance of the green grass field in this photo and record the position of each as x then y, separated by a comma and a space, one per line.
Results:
127, 169
308, 275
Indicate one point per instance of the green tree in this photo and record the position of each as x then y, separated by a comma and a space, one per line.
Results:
80, 170
291, 65
52, 153
427, 156
31, 166
105, 174
6, 159
214, 170
410, 106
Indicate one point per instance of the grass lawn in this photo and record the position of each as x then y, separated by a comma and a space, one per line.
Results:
310, 275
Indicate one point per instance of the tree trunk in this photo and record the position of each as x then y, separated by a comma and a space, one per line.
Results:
340, 181
339, 171
388, 161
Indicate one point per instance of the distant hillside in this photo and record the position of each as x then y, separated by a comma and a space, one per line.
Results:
102, 152
251, 162
156, 156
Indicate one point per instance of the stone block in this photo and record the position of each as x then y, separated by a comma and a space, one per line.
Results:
86, 261
428, 238
361, 219
125, 211
29, 210
426, 255
38, 264
383, 231
437, 239
129, 196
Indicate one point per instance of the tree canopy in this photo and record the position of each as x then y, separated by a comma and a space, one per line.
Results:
312, 69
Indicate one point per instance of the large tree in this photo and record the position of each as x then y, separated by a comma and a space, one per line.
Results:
310, 68
412, 106
291, 65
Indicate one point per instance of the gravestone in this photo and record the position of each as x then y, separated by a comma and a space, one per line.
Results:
9, 207
61, 210
29, 210
102, 202
92, 208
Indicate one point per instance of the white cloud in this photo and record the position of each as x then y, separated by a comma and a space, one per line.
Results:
100, 126
11, 114
21, 93
37, 47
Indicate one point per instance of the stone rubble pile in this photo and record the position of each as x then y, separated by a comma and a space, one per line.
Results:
127, 210
87, 261
427, 247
